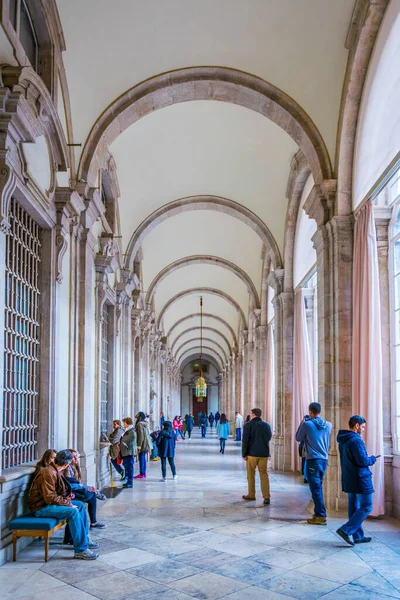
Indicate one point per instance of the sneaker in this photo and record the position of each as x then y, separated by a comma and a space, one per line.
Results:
123, 476
316, 520
267, 501
93, 545
140, 477
101, 496
175, 477
154, 459
248, 498
344, 536
98, 525
364, 540
86, 555
163, 479
127, 485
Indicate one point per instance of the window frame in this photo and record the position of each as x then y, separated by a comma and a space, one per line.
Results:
394, 376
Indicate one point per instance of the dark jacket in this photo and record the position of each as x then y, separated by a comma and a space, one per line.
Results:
127, 443
203, 420
256, 437
354, 460
115, 437
49, 487
189, 423
166, 443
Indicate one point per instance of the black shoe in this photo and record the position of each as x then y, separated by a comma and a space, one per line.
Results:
344, 537
127, 485
364, 540
267, 501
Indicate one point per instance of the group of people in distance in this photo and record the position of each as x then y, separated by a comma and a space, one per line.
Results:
57, 489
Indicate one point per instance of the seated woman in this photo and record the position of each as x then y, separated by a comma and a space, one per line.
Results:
46, 460
82, 492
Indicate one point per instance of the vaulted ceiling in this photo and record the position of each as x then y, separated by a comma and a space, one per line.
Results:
205, 148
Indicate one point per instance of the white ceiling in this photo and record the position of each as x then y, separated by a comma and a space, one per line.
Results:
204, 147
195, 322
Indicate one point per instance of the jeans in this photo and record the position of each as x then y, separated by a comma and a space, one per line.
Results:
222, 442
238, 434
189, 432
203, 431
128, 466
116, 466
316, 468
179, 432
155, 451
142, 462
211, 424
76, 518
359, 507
164, 465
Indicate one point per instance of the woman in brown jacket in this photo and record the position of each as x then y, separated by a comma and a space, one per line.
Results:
144, 442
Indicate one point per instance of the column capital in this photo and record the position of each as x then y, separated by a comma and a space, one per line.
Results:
320, 204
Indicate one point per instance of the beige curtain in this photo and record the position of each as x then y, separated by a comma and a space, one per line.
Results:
367, 347
303, 392
270, 379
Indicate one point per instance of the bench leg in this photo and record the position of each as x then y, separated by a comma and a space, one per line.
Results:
46, 547
14, 542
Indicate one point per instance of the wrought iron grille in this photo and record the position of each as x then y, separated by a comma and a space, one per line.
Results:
104, 370
21, 338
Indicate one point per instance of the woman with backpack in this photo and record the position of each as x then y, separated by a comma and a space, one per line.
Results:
223, 431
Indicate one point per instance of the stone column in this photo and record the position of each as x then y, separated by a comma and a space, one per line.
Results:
248, 357
261, 367
284, 306
333, 242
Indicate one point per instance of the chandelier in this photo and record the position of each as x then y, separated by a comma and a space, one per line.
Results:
201, 386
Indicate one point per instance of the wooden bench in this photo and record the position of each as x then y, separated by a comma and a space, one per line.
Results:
31, 526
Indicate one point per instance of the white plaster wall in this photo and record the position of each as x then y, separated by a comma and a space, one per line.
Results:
305, 256
62, 396
378, 132
38, 161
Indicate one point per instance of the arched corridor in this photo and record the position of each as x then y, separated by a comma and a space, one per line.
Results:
196, 538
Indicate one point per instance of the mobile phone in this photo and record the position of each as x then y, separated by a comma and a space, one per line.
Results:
378, 456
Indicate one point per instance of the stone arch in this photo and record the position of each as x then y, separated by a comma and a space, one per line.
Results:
360, 43
217, 203
202, 290
221, 361
205, 339
194, 356
211, 316
203, 259
197, 328
221, 84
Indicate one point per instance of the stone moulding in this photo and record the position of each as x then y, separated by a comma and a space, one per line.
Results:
205, 83
196, 354
203, 259
196, 341
197, 328
209, 315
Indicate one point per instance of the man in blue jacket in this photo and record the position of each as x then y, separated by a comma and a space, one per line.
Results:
356, 480
315, 433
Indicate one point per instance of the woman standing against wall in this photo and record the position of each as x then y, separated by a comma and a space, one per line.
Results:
144, 443
128, 449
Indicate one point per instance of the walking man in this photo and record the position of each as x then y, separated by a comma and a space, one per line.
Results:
238, 426
315, 433
255, 451
203, 421
356, 480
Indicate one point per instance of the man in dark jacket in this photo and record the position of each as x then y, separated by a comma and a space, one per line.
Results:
356, 480
316, 434
255, 451
203, 423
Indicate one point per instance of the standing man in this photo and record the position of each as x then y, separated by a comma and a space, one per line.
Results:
255, 451
203, 421
238, 426
315, 433
356, 480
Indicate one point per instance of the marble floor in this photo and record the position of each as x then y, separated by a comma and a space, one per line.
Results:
196, 538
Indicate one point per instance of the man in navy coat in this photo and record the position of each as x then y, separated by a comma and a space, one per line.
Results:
356, 480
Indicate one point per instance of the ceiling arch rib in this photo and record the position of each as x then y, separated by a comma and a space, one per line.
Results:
205, 83
203, 202
210, 260
207, 315
196, 351
205, 339
201, 290
198, 328
194, 357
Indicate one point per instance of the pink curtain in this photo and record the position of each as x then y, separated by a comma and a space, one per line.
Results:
303, 392
367, 348
270, 379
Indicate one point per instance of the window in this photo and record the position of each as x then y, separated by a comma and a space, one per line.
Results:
312, 321
21, 338
22, 22
391, 192
104, 371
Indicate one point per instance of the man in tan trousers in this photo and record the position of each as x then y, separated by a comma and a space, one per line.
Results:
255, 451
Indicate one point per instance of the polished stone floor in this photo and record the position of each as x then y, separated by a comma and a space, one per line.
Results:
195, 538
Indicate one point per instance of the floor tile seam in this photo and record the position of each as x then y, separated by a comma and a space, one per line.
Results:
367, 590
354, 582
80, 589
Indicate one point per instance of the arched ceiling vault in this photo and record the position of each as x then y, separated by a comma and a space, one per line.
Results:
205, 315
191, 329
208, 340
199, 291
195, 351
210, 260
194, 357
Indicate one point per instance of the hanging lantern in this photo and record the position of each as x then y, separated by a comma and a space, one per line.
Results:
201, 386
